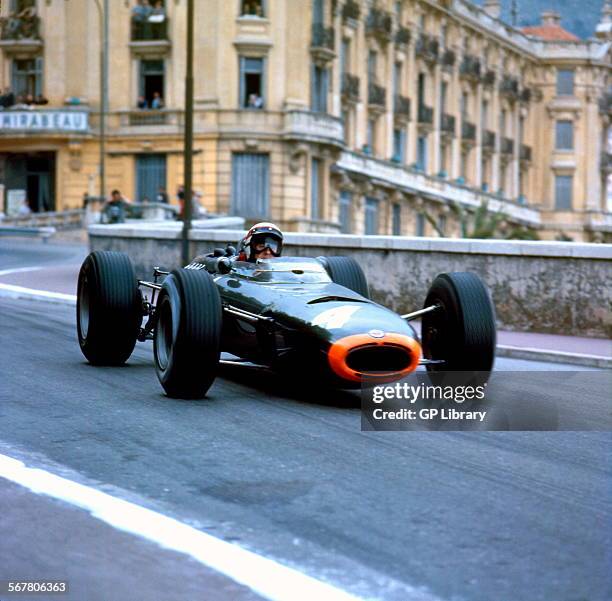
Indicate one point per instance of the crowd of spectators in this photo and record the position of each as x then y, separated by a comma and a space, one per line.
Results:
8, 100
148, 20
21, 24
156, 103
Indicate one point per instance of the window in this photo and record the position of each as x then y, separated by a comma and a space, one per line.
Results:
319, 89
371, 216
502, 123
252, 8
252, 82
315, 189
443, 35
317, 12
27, 77
564, 135
397, 78
396, 219
465, 99
421, 89
420, 224
344, 211
563, 192
422, 153
399, 144
150, 176
151, 80
345, 56
371, 135
565, 82
372, 59
443, 95
250, 177
484, 116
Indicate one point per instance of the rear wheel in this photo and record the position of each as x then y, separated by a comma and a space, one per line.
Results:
187, 336
346, 272
461, 332
109, 308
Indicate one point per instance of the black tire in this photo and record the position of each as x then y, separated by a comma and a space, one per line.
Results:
462, 332
109, 308
187, 339
346, 272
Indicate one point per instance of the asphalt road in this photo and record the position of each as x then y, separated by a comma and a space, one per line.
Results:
287, 472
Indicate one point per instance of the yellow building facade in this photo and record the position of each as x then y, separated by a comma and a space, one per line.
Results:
349, 115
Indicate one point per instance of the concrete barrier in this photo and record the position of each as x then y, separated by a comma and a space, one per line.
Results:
553, 287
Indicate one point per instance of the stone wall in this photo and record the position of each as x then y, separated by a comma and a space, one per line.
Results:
561, 288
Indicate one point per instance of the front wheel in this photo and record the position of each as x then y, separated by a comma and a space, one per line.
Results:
346, 272
461, 332
187, 340
109, 308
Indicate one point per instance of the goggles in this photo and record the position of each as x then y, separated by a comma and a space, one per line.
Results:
270, 242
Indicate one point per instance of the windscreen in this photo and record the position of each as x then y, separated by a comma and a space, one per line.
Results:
289, 270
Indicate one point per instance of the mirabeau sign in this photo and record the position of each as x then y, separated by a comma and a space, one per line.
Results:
35, 120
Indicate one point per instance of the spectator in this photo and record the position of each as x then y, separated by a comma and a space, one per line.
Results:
114, 208
25, 209
255, 101
40, 99
157, 102
142, 103
21, 103
158, 14
7, 99
29, 100
162, 195
140, 12
251, 8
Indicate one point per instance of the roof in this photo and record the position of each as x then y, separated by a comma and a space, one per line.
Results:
551, 33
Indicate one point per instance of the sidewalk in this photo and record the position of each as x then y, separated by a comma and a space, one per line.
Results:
592, 352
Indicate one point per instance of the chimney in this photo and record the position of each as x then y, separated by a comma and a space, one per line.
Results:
550, 18
492, 8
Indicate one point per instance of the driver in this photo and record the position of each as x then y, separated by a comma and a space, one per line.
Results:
263, 241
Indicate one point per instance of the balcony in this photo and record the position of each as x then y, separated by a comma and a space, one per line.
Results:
489, 77
314, 127
525, 153
468, 131
526, 95
21, 34
150, 38
322, 42
488, 140
470, 68
350, 87
379, 24
351, 10
376, 95
449, 58
509, 87
425, 115
447, 124
507, 146
50, 121
401, 106
427, 48
402, 36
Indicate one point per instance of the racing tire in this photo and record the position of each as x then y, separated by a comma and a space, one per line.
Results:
462, 331
346, 272
187, 338
109, 308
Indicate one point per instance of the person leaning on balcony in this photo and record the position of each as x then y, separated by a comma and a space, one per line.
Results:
40, 99
141, 103
158, 102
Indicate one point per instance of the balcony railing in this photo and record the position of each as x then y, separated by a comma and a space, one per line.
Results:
425, 114
351, 10
470, 67
379, 23
376, 95
605, 162
488, 139
468, 131
525, 95
350, 86
320, 127
26, 27
148, 117
507, 146
509, 87
488, 79
448, 123
525, 153
401, 105
427, 48
322, 37
402, 36
448, 58
145, 31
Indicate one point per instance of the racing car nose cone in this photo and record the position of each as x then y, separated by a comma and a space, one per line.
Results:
376, 333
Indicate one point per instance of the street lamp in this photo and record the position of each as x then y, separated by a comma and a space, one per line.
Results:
188, 140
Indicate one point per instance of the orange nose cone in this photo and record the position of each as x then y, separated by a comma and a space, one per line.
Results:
357, 358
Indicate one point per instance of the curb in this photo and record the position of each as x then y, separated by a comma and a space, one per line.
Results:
551, 356
511, 352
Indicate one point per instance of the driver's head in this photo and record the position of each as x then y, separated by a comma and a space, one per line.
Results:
262, 241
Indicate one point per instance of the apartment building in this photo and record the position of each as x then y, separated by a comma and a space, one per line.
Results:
356, 116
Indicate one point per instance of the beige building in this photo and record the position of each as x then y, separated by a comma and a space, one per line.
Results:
323, 115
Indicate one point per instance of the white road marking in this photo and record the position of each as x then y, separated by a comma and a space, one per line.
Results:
13, 291
264, 576
18, 270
